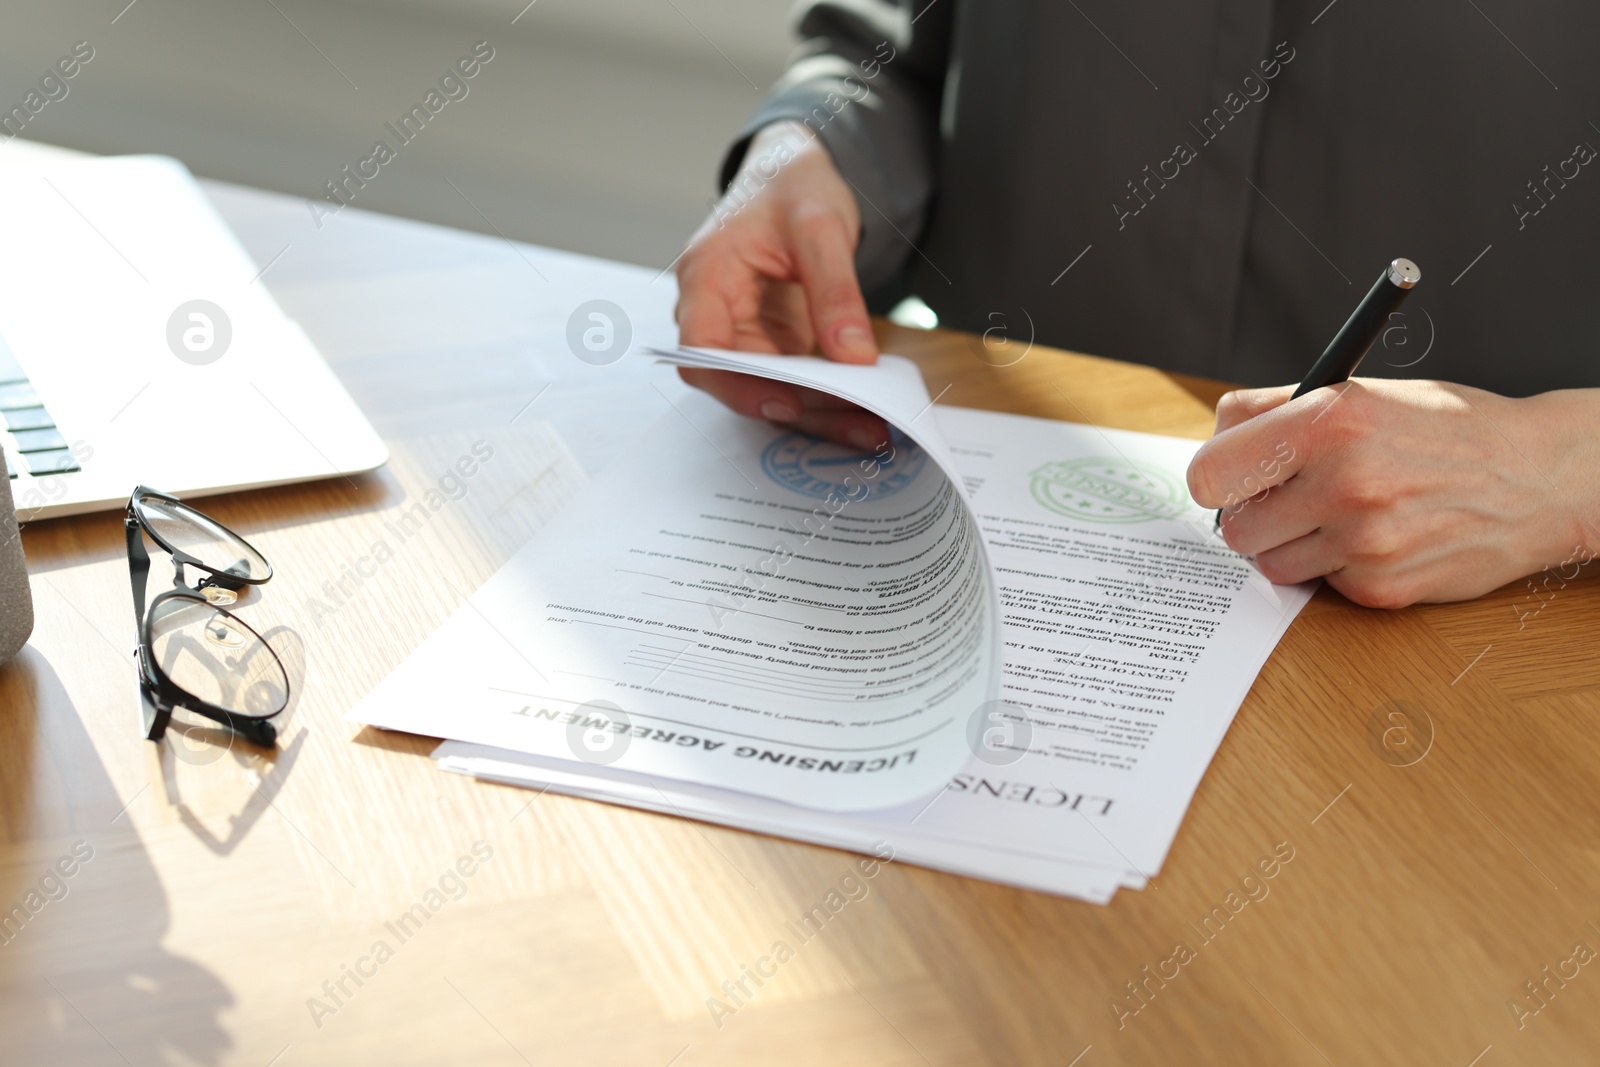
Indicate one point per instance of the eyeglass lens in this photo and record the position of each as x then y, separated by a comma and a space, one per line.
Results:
212, 544
217, 658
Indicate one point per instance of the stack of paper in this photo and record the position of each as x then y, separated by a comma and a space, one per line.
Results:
1000, 646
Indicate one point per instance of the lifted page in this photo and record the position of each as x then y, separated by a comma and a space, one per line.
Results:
767, 614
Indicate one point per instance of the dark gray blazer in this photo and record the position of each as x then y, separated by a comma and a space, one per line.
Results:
1209, 187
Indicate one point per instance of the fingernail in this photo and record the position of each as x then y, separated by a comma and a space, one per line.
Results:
863, 438
778, 411
855, 340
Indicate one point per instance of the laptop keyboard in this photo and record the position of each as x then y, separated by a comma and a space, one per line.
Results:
30, 436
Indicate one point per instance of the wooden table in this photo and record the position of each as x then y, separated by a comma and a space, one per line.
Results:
1435, 870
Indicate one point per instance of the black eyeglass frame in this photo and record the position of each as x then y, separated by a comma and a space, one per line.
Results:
159, 694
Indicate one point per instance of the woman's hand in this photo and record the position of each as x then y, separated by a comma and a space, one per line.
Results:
1404, 491
773, 270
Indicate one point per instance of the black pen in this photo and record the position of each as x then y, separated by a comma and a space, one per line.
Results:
1351, 344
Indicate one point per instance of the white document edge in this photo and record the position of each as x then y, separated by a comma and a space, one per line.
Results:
1095, 885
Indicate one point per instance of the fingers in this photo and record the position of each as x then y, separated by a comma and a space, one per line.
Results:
1230, 469
785, 320
723, 303
1253, 455
777, 273
853, 428
1242, 404
753, 397
705, 309
840, 421
1301, 560
1364, 563
818, 414
1280, 515
1317, 556
824, 253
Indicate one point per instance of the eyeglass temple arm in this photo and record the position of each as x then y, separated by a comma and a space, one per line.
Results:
138, 566
156, 714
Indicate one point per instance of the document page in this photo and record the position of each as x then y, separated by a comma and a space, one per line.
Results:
731, 606
1132, 634
841, 830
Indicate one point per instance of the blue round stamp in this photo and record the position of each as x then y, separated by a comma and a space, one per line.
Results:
814, 467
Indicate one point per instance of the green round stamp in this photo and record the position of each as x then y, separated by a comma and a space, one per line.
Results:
1109, 490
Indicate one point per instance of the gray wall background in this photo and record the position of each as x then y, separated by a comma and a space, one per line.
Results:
597, 126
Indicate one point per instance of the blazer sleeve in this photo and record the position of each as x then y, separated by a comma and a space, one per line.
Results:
868, 79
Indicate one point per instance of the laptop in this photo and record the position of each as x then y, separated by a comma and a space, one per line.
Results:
138, 345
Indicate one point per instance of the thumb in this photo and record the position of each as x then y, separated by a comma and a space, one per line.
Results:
825, 258
1241, 405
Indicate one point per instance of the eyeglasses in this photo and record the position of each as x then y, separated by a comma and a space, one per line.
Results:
192, 654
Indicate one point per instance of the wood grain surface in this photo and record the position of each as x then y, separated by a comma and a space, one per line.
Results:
1436, 869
